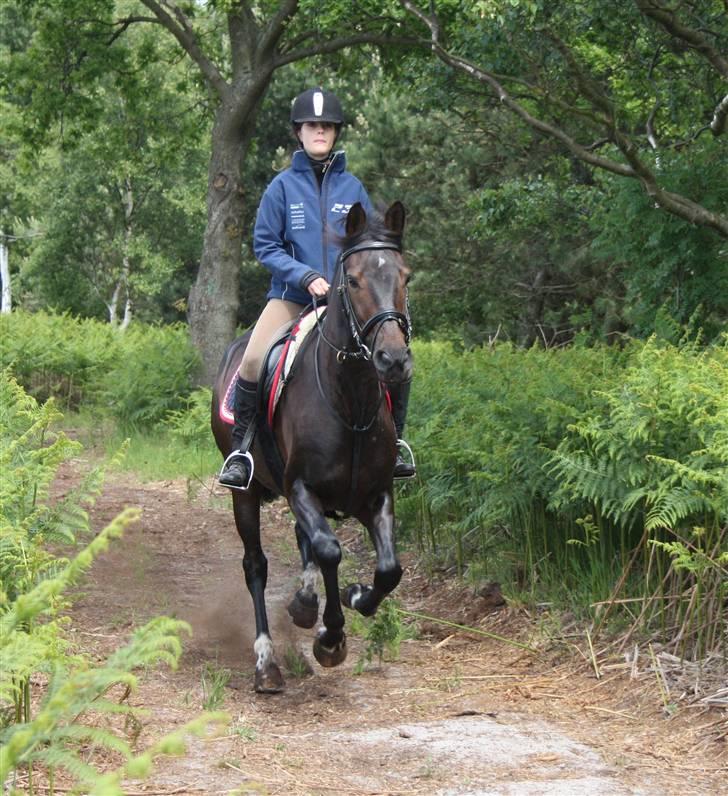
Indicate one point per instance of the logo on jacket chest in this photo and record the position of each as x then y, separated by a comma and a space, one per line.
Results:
339, 208
297, 211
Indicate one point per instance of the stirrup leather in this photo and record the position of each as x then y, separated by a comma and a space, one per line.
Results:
401, 444
231, 458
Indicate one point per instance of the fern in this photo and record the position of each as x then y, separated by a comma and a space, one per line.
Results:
138, 376
515, 448
192, 423
35, 583
52, 733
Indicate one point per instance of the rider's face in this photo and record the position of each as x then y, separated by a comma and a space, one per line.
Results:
317, 138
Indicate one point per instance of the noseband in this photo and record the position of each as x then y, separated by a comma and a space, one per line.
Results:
360, 331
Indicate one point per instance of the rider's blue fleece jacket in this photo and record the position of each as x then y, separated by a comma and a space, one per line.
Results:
298, 226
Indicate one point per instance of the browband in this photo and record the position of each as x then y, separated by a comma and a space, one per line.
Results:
367, 245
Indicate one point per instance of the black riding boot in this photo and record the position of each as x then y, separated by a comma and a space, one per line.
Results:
400, 400
237, 471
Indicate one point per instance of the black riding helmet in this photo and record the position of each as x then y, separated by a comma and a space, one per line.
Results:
317, 105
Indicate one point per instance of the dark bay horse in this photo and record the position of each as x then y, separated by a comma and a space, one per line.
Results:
336, 439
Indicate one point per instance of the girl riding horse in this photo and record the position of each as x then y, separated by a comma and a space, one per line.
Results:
297, 233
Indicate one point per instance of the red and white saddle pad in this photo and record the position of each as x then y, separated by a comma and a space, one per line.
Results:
281, 371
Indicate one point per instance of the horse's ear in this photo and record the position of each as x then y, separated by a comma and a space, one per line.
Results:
394, 218
356, 220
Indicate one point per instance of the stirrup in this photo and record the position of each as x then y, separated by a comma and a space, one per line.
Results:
231, 458
401, 444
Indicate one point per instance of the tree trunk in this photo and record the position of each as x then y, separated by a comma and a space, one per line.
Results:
122, 285
113, 306
7, 299
127, 197
126, 320
214, 296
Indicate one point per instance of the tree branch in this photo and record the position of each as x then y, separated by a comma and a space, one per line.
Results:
334, 45
667, 18
276, 26
127, 22
634, 168
180, 28
489, 79
244, 34
717, 125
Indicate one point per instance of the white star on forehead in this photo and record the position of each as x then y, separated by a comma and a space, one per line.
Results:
381, 261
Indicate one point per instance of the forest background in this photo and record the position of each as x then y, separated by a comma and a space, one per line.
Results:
563, 165
565, 171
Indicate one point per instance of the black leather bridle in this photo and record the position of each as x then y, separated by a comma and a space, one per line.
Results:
358, 330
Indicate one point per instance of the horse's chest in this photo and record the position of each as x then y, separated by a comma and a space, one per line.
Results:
346, 463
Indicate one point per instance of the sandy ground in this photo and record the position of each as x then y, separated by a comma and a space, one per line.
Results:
454, 714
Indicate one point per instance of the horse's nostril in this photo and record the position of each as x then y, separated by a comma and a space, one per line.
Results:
383, 360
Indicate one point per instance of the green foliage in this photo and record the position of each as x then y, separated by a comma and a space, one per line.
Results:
214, 681
383, 633
656, 454
151, 376
30, 455
661, 263
552, 243
191, 424
107, 154
34, 584
483, 422
57, 355
137, 376
655, 460
551, 467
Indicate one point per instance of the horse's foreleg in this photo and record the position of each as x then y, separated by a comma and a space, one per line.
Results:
304, 606
379, 521
330, 645
246, 506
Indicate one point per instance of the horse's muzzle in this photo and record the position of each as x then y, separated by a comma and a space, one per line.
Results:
394, 366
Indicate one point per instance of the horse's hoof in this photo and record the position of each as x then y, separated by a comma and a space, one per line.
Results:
269, 680
304, 609
329, 657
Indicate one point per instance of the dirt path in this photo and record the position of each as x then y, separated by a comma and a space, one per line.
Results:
453, 715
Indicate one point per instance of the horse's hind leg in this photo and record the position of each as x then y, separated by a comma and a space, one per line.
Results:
304, 606
379, 521
329, 647
246, 506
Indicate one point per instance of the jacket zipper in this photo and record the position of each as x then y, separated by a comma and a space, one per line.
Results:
324, 218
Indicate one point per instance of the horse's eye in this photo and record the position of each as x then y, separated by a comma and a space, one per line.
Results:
351, 282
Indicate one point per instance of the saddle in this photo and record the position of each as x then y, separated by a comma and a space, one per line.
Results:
277, 367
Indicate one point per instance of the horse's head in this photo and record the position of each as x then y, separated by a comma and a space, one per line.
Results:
373, 287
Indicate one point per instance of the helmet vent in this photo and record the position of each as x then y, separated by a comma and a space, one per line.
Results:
318, 103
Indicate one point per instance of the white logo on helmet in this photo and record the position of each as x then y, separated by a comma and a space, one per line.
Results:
318, 103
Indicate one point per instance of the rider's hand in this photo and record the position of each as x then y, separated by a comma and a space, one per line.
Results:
319, 287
